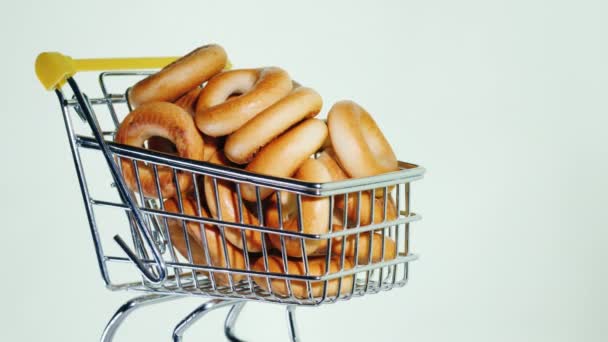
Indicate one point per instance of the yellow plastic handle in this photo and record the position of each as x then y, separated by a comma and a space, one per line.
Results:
54, 68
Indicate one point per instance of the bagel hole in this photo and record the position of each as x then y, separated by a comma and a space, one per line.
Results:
234, 95
161, 144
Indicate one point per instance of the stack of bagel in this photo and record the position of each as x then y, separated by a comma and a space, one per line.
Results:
262, 121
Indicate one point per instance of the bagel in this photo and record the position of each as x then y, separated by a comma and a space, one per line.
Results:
212, 146
228, 199
327, 157
179, 77
187, 102
365, 212
284, 155
168, 121
216, 115
213, 242
362, 255
301, 103
361, 147
316, 267
178, 241
315, 214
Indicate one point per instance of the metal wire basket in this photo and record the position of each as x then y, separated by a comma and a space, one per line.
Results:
346, 268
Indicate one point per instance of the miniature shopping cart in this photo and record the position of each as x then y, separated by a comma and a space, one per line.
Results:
134, 249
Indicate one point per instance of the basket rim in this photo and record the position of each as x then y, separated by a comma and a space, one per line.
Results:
408, 172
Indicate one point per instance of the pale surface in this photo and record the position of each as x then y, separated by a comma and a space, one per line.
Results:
503, 101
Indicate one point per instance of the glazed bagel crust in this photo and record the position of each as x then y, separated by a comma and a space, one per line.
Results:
316, 267
229, 209
179, 77
300, 104
359, 144
315, 214
214, 240
217, 115
284, 155
168, 121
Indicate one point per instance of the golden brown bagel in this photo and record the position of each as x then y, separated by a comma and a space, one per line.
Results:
316, 267
284, 155
178, 241
365, 213
327, 157
301, 103
229, 209
167, 121
363, 249
216, 115
315, 214
212, 146
213, 242
361, 147
179, 77
188, 100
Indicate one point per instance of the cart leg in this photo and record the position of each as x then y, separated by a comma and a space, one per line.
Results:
126, 309
291, 323
197, 314
233, 315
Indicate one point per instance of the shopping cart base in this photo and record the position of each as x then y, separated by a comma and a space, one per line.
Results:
236, 307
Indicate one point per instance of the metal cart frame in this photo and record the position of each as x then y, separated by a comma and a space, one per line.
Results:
163, 274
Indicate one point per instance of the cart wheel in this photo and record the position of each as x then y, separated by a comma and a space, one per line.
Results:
123, 312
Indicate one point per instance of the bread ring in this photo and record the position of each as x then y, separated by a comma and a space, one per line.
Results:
229, 209
363, 250
188, 100
179, 77
170, 122
214, 241
315, 214
260, 88
365, 213
327, 158
301, 103
212, 146
178, 241
284, 155
316, 267
360, 145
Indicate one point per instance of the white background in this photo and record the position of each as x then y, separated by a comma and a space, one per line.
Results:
504, 102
